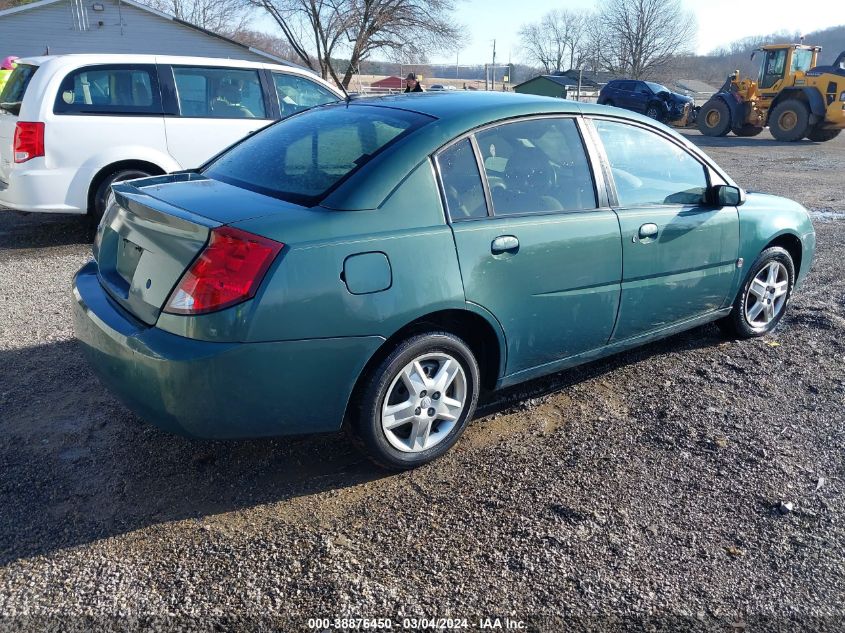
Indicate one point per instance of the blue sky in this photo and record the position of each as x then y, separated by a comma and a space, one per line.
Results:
719, 22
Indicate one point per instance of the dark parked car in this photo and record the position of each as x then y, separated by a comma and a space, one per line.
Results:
654, 100
384, 260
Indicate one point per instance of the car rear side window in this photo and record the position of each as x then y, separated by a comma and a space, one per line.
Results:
461, 180
15, 88
304, 157
219, 93
296, 93
111, 89
536, 166
649, 169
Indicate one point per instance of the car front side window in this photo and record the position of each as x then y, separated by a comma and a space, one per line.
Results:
297, 93
535, 166
649, 169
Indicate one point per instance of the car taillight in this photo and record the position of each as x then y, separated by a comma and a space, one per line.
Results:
229, 270
29, 141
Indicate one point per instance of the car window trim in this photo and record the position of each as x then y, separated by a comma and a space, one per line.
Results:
491, 211
268, 111
711, 174
438, 173
155, 109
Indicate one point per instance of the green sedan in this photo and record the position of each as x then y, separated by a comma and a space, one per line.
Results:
382, 261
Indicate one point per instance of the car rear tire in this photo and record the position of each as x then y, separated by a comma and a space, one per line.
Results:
820, 136
101, 196
418, 401
764, 297
790, 120
714, 118
748, 130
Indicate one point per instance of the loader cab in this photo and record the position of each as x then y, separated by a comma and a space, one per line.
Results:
778, 60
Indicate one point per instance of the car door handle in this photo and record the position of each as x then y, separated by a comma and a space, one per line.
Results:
504, 244
648, 230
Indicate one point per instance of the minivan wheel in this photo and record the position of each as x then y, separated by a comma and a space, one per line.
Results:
101, 197
762, 300
418, 401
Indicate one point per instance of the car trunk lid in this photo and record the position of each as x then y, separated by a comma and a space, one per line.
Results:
158, 226
143, 247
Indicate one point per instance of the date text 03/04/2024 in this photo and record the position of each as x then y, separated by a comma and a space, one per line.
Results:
416, 624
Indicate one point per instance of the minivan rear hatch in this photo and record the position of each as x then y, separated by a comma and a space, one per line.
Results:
11, 100
157, 226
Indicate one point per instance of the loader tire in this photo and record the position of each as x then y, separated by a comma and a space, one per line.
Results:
748, 130
790, 120
714, 119
820, 136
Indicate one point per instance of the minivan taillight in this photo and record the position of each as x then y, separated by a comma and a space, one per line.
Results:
29, 141
229, 270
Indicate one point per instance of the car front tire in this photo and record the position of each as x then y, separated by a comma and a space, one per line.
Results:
418, 401
764, 297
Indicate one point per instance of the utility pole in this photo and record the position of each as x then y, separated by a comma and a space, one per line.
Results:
493, 69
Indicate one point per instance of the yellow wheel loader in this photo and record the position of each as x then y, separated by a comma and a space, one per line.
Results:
792, 95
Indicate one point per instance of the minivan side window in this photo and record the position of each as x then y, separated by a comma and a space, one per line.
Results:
110, 89
297, 93
462, 184
649, 169
219, 93
537, 165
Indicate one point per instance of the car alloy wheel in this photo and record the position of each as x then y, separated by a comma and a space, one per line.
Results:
766, 295
424, 402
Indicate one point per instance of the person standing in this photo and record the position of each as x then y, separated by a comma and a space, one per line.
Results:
412, 84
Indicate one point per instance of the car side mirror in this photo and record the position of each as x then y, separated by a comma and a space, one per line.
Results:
727, 196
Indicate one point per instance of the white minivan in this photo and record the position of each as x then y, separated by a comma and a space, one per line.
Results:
71, 125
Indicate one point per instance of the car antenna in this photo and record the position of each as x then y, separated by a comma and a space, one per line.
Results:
345, 94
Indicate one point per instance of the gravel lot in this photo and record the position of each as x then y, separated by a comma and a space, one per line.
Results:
646, 485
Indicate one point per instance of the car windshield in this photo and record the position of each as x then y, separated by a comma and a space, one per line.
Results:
303, 158
657, 88
15, 88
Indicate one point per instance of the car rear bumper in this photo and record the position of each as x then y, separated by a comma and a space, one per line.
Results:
216, 390
39, 191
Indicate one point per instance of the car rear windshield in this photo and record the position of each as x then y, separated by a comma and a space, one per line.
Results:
302, 158
15, 88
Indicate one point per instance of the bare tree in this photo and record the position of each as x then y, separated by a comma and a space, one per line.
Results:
319, 31
313, 29
555, 40
220, 16
272, 44
641, 36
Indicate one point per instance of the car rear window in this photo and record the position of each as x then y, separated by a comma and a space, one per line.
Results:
302, 158
15, 88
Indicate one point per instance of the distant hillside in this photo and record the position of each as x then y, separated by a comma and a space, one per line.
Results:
716, 66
